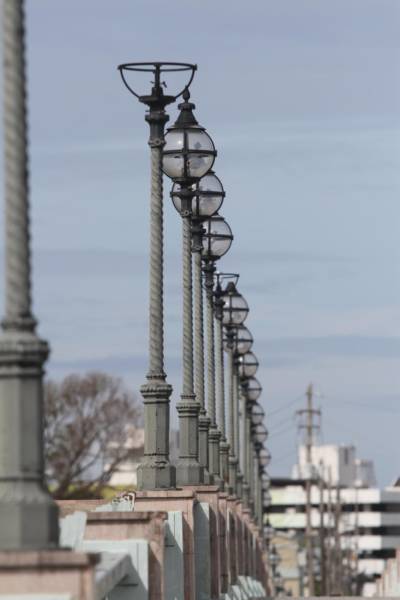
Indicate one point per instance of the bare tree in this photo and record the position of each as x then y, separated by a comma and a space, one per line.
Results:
87, 422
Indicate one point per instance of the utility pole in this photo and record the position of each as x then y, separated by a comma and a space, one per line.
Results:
307, 423
322, 531
329, 574
338, 549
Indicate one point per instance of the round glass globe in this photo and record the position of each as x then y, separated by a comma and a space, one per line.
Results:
260, 433
208, 196
253, 389
243, 340
235, 309
257, 414
247, 365
264, 457
189, 152
217, 238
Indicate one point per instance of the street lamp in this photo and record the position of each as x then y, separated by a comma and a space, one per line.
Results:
155, 471
264, 457
260, 433
217, 239
268, 532
257, 414
208, 196
188, 155
235, 310
243, 340
253, 389
247, 365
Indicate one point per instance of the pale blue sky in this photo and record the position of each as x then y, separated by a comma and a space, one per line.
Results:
302, 101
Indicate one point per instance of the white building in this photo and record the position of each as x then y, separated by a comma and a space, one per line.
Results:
369, 521
126, 474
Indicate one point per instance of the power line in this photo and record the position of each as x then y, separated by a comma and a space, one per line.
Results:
285, 406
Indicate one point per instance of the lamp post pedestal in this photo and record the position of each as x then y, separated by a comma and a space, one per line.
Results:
224, 461
239, 484
204, 427
155, 471
188, 469
28, 515
233, 463
246, 493
214, 438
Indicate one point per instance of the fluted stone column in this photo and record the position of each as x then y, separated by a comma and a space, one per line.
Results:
155, 471
188, 469
28, 515
220, 389
204, 420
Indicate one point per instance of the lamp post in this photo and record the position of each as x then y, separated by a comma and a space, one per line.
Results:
156, 472
235, 311
189, 154
244, 341
253, 391
259, 435
207, 200
217, 239
28, 515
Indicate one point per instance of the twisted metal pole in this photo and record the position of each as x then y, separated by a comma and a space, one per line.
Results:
232, 429
204, 421
28, 515
245, 449
220, 379
214, 435
155, 471
236, 413
188, 469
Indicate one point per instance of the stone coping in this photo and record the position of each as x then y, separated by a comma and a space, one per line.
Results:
178, 493
59, 558
126, 516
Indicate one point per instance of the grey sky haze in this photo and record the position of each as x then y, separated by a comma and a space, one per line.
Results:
302, 100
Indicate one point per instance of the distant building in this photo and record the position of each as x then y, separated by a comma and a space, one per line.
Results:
369, 521
126, 474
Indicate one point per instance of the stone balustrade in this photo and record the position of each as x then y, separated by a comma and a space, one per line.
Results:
195, 543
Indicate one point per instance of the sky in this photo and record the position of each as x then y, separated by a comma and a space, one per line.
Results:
302, 101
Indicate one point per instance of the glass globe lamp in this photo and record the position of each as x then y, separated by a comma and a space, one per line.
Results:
247, 365
235, 309
257, 414
208, 196
260, 433
267, 498
264, 457
274, 557
189, 151
217, 238
253, 389
243, 340
268, 531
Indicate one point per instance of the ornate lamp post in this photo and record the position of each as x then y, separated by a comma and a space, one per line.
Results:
217, 239
156, 472
207, 200
28, 515
189, 154
235, 311
259, 434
